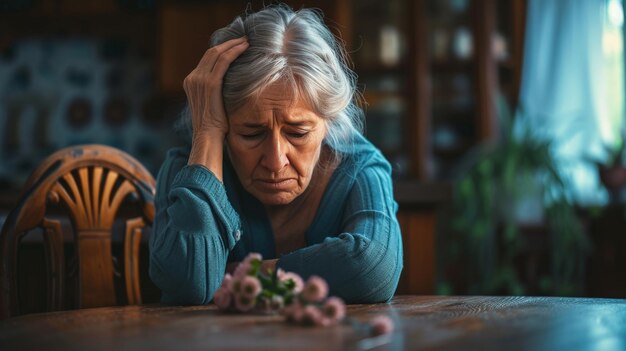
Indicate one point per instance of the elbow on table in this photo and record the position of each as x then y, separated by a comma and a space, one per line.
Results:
374, 283
374, 289
177, 287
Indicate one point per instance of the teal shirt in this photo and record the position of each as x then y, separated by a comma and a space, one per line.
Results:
354, 241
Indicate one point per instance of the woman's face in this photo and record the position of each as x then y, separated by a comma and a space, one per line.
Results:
274, 145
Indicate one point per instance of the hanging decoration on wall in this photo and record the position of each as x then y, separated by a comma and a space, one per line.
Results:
59, 92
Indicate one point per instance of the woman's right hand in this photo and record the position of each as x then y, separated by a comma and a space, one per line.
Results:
203, 87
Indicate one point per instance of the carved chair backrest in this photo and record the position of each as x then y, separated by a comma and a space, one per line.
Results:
90, 182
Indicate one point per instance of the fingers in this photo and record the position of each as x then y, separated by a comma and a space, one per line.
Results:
211, 55
203, 86
226, 58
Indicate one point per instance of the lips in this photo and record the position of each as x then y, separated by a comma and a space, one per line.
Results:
275, 184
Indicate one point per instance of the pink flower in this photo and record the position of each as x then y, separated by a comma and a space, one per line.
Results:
381, 325
242, 270
325, 321
294, 312
287, 276
253, 257
315, 289
235, 285
250, 286
222, 298
312, 316
244, 303
227, 280
334, 308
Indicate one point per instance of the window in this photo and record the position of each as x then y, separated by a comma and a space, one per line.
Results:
611, 119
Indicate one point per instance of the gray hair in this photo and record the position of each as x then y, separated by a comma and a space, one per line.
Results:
295, 47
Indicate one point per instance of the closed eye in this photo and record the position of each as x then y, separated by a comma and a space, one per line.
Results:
297, 135
252, 136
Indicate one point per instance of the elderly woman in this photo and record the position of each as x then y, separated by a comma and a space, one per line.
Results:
277, 166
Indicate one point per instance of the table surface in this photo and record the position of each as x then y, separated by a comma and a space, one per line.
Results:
422, 322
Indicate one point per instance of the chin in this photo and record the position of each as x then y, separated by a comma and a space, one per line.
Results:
275, 199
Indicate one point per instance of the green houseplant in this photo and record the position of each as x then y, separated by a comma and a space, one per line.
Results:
612, 172
507, 187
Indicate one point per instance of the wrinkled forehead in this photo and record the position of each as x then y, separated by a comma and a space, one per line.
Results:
280, 98
279, 95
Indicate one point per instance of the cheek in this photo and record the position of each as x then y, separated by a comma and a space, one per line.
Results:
243, 159
305, 159
245, 163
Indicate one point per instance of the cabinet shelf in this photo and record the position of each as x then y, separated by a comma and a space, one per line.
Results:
380, 69
448, 98
454, 65
452, 152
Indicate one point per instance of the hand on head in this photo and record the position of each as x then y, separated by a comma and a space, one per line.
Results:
203, 87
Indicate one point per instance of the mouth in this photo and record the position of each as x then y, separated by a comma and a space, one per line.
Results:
275, 184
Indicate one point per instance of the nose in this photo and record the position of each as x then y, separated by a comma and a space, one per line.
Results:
274, 155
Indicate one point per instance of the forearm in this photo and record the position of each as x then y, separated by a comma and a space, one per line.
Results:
194, 230
190, 269
203, 87
357, 268
207, 149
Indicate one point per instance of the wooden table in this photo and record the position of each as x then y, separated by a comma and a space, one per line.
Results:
422, 322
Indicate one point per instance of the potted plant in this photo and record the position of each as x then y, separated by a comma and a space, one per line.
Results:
613, 172
506, 187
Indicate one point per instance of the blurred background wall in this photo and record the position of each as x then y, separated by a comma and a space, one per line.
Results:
110, 72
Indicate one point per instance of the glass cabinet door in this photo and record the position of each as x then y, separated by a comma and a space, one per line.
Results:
379, 49
451, 40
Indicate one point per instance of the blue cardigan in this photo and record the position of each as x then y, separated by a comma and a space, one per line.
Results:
354, 241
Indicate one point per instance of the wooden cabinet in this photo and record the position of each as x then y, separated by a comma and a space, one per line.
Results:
418, 215
184, 30
430, 72
438, 86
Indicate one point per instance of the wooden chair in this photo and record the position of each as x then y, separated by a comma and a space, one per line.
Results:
89, 183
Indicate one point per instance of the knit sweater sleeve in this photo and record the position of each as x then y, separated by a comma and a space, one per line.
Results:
361, 264
194, 229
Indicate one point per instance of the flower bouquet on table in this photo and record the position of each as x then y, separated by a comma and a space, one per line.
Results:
249, 290
279, 292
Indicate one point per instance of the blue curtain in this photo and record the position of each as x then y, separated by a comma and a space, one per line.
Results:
561, 95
